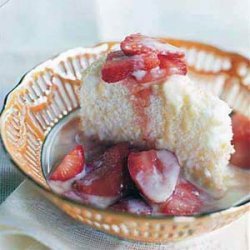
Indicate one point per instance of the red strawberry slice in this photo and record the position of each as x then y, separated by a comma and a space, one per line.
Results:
115, 154
173, 65
241, 141
151, 76
108, 177
110, 156
241, 127
138, 44
93, 147
103, 181
241, 156
132, 205
186, 200
71, 165
155, 173
145, 59
133, 45
139, 62
116, 70
118, 66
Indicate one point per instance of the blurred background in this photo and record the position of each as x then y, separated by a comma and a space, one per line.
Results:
32, 31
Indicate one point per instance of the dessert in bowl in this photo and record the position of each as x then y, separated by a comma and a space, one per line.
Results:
138, 167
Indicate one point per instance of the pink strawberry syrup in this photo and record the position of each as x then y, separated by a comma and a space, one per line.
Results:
140, 99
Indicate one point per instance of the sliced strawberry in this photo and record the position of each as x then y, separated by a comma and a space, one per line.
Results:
173, 65
103, 181
145, 59
118, 66
115, 154
241, 127
132, 205
116, 70
108, 177
156, 74
138, 44
155, 173
133, 45
71, 165
93, 147
241, 156
186, 200
241, 141
110, 156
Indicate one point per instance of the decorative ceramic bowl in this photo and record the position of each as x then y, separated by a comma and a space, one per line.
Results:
49, 92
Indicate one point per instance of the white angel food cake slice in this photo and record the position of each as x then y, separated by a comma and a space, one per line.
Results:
142, 95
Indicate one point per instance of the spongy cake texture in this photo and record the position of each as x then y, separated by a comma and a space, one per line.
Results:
193, 124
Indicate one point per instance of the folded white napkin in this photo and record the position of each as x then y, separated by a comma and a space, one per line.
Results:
30, 221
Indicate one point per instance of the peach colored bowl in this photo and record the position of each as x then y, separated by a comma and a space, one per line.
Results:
50, 91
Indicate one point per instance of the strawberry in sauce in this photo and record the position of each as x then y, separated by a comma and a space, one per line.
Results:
136, 44
241, 141
155, 173
71, 165
118, 170
108, 177
185, 200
